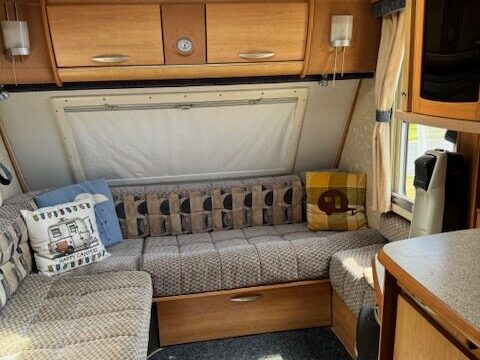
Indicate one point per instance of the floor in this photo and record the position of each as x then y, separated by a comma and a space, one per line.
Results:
307, 344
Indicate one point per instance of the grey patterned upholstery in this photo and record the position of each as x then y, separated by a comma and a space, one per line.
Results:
162, 210
252, 256
102, 316
393, 227
124, 256
349, 276
15, 256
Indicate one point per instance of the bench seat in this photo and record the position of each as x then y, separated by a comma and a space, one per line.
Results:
102, 316
124, 256
195, 263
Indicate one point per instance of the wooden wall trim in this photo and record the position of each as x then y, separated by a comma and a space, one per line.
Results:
308, 45
346, 128
48, 39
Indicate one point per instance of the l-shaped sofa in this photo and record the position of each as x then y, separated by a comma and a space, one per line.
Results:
217, 259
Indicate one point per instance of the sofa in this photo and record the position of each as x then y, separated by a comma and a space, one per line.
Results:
178, 240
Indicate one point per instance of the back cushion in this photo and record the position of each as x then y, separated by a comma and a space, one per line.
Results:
15, 255
394, 227
159, 210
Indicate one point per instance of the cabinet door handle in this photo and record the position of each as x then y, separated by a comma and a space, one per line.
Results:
245, 298
113, 58
257, 55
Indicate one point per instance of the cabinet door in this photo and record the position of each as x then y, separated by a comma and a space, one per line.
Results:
417, 338
445, 60
245, 32
95, 35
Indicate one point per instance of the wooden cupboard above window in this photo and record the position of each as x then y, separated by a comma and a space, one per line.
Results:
105, 35
249, 32
108, 40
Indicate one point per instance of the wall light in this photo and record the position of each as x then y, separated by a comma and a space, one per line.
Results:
341, 37
15, 37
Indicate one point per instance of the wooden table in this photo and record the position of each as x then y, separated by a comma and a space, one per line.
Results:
431, 306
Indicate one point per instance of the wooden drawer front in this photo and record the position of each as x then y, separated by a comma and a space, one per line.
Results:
184, 21
242, 28
82, 32
214, 315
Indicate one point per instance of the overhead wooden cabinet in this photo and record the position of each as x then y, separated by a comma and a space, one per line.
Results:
109, 34
250, 32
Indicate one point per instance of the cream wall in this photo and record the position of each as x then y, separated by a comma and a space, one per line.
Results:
357, 153
39, 149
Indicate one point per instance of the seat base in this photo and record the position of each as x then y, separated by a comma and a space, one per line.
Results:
247, 311
344, 324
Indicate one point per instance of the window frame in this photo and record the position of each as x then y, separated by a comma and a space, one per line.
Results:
401, 204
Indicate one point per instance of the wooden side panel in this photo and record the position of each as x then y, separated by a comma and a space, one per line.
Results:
179, 21
34, 68
208, 316
235, 28
417, 338
361, 57
344, 324
81, 32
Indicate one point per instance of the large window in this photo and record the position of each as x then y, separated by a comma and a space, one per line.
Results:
414, 141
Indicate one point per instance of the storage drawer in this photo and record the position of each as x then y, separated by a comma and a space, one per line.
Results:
243, 32
221, 314
96, 35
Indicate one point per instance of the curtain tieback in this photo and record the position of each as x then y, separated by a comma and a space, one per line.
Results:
383, 116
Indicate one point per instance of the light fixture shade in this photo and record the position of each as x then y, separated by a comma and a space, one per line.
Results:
15, 37
341, 31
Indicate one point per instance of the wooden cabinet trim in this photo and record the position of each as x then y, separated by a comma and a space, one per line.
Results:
48, 39
308, 45
127, 73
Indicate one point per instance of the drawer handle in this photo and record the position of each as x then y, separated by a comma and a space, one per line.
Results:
110, 58
245, 298
257, 55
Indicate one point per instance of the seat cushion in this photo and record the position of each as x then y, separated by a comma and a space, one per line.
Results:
124, 256
349, 276
102, 316
187, 264
393, 227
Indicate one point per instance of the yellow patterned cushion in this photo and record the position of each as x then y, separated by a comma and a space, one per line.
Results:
336, 201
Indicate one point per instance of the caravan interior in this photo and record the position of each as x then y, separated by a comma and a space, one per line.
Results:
240, 179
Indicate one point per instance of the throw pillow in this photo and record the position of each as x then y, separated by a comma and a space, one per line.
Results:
107, 220
64, 237
336, 201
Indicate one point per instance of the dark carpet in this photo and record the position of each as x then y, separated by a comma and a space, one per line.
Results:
308, 344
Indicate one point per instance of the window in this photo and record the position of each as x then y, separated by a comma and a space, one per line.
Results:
414, 141
56, 232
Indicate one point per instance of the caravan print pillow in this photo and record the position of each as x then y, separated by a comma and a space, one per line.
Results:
64, 237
